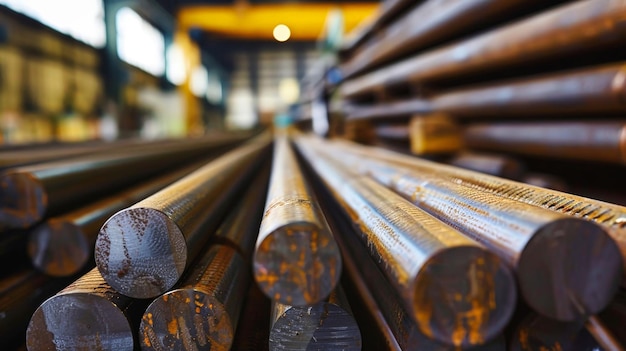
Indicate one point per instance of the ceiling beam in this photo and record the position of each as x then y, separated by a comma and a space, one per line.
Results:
257, 21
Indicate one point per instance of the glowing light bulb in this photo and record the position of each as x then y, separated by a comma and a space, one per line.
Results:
282, 33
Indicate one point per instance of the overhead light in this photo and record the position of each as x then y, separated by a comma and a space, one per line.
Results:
199, 81
282, 33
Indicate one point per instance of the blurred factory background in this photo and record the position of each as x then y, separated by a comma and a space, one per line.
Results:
75, 70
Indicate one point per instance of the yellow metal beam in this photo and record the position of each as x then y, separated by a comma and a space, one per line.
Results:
306, 21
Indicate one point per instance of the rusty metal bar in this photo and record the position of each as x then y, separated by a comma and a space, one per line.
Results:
496, 165
241, 228
611, 217
431, 23
203, 314
584, 140
614, 317
253, 331
590, 90
325, 325
559, 33
143, 250
404, 108
29, 193
63, 245
425, 260
86, 315
536, 332
581, 266
391, 318
296, 260
20, 294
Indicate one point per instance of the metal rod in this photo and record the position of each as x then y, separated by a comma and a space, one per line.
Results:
602, 334
458, 292
611, 217
567, 268
589, 90
296, 260
391, 318
404, 108
325, 325
20, 294
143, 250
253, 331
433, 22
613, 318
241, 228
64, 245
88, 315
203, 314
559, 33
585, 140
29, 193
536, 332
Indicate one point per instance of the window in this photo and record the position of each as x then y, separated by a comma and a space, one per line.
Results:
139, 43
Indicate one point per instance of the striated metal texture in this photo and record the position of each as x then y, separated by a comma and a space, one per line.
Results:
143, 250
86, 315
29, 193
382, 303
611, 217
203, 314
296, 260
326, 325
567, 268
497, 165
539, 333
585, 140
63, 245
458, 292
254, 327
241, 227
20, 294
589, 90
430, 23
559, 33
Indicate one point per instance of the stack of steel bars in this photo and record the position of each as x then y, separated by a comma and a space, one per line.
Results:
528, 82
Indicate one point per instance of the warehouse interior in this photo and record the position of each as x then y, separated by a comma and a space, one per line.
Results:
313, 175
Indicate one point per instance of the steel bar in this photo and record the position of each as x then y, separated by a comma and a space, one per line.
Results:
29, 193
325, 325
382, 302
20, 294
203, 314
613, 318
63, 245
458, 292
563, 32
589, 90
398, 132
497, 165
536, 332
603, 336
433, 22
567, 268
611, 217
86, 315
296, 260
254, 326
585, 140
143, 250
241, 228
404, 108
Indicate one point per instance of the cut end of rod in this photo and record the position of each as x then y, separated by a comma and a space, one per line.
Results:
323, 326
464, 296
141, 252
58, 248
569, 270
186, 319
23, 201
297, 265
78, 322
